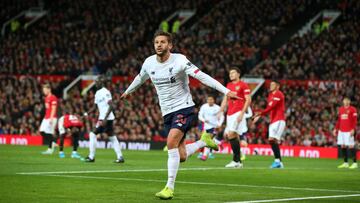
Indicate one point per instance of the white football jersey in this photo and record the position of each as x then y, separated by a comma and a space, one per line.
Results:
209, 113
102, 98
171, 81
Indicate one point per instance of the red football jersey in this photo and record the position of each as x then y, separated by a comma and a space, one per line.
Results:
347, 119
241, 89
50, 101
276, 106
72, 121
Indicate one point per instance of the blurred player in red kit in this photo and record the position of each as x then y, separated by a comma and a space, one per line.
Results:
48, 124
69, 124
345, 131
276, 109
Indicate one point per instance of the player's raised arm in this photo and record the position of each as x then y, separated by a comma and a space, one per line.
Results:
204, 78
136, 83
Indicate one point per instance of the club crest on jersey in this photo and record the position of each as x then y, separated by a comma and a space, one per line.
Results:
237, 87
172, 79
152, 72
170, 70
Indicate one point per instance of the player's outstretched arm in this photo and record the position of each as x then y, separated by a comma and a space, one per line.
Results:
136, 83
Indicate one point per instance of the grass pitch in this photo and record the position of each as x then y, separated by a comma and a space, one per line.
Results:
28, 176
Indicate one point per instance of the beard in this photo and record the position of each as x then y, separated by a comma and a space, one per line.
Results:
162, 53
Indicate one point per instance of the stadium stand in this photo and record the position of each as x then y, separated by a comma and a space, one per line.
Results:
332, 54
84, 36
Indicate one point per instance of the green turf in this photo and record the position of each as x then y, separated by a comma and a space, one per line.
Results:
254, 182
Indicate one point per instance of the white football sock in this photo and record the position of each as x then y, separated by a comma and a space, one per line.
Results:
92, 145
116, 146
173, 166
206, 151
193, 147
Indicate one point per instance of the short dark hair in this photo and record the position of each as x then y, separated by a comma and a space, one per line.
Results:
211, 95
46, 85
235, 69
163, 33
276, 81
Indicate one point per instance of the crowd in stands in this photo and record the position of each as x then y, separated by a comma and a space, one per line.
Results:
232, 33
84, 36
332, 54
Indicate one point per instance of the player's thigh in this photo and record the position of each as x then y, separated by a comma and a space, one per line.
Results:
48, 127
234, 128
340, 138
43, 125
174, 138
347, 139
109, 128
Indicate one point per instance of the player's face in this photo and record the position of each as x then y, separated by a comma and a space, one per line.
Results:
162, 45
100, 82
273, 86
234, 75
210, 101
346, 102
46, 91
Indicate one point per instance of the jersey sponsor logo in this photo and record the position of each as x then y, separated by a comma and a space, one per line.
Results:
344, 116
237, 87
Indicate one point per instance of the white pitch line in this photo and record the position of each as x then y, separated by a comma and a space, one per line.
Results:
206, 183
152, 170
298, 198
119, 171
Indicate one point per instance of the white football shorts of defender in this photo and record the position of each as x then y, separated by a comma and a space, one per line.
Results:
232, 124
276, 129
47, 127
345, 138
